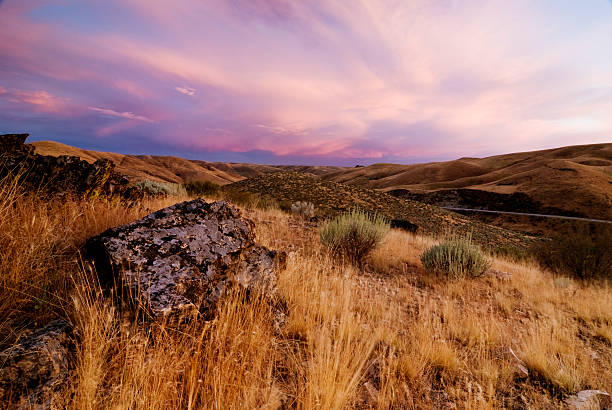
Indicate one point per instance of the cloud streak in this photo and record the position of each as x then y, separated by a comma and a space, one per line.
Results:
126, 114
186, 90
321, 79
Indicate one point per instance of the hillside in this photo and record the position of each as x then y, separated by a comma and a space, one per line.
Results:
574, 180
331, 197
156, 168
175, 169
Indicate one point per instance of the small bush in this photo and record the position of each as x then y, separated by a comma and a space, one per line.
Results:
584, 252
354, 234
202, 188
303, 209
155, 188
456, 258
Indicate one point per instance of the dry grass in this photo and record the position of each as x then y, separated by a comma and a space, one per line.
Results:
385, 336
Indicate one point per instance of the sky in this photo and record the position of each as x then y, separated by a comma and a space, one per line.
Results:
308, 81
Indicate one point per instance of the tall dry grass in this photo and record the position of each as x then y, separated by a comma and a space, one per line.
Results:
386, 335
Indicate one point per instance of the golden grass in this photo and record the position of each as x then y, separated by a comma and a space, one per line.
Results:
385, 336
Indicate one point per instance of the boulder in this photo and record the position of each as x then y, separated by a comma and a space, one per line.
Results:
61, 175
181, 259
37, 365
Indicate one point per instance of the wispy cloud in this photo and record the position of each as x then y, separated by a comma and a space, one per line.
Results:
126, 114
186, 90
38, 100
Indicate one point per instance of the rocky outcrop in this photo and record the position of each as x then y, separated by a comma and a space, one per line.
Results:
14, 144
37, 366
61, 175
181, 259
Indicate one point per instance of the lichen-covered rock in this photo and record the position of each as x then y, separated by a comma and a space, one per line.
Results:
37, 366
61, 175
182, 258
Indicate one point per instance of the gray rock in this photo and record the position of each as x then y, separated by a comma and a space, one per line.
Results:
182, 258
36, 366
589, 400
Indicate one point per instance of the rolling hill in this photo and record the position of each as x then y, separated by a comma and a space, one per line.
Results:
175, 169
574, 180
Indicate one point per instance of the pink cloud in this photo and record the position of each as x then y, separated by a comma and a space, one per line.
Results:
126, 114
38, 100
186, 90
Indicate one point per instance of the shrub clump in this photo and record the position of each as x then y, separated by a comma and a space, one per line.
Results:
155, 188
583, 252
303, 209
202, 188
456, 258
353, 235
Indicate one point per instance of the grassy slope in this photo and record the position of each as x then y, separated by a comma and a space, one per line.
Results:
576, 178
389, 336
332, 197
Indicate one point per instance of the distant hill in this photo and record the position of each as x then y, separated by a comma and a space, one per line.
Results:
331, 197
574, 180
156, 168
175, 169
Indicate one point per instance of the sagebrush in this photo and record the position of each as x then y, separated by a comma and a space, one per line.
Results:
457, 258
155, 188
354, 234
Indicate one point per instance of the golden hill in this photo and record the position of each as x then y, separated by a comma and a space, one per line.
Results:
175, 169
155, 168
576, 179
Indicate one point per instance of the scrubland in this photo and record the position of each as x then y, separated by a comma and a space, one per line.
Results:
385, 335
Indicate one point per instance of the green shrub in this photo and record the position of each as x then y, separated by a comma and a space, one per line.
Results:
456, 258
202, 188
584, 252
354, 234
156, 188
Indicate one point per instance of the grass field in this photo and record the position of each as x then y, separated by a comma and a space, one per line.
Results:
386, 336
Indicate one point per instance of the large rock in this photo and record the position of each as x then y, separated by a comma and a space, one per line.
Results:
61, 175
182, 258
37, 366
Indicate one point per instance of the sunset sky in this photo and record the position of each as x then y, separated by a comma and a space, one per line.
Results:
312, 82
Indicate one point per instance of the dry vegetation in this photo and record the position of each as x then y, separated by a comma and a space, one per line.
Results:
386, 336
